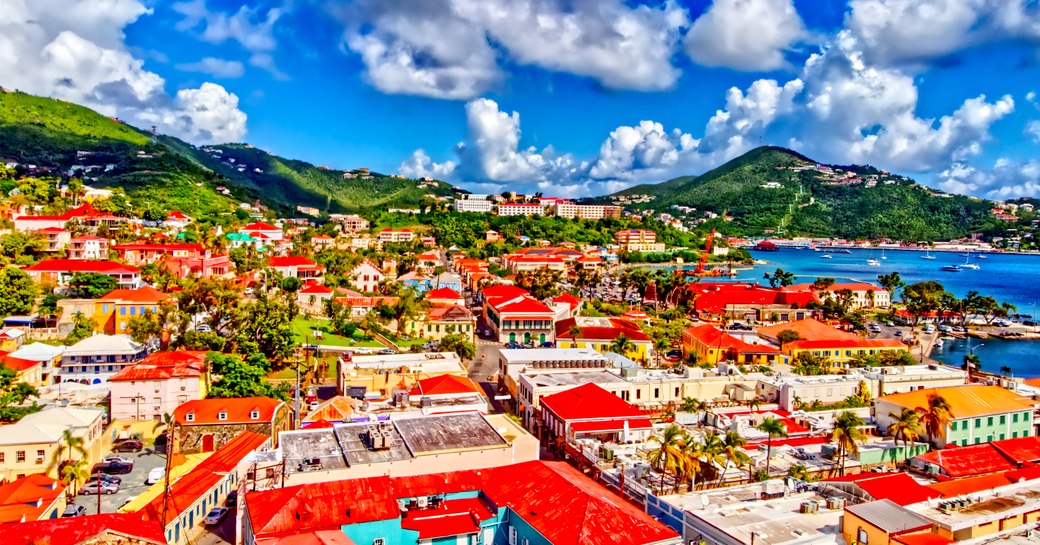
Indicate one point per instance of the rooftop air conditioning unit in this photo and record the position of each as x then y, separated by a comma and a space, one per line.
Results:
810, 507
422, 501
835, 503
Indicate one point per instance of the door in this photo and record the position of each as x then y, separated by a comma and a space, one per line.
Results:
207, 443
527, 337
512, 337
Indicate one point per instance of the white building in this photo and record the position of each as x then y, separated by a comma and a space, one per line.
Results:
587, 211
520, 209
366, 276
482, 206
95, 359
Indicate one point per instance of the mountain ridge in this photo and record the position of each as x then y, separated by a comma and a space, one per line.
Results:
58, 136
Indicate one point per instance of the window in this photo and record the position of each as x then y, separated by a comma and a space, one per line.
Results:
1003, 419
953, 426
222, 415
254, 414
122, 311
190, 417
861, 537
978, 422
1, 457
657, 393
639, 393
19, 456
989, 421
39, 456
1014, 417
378, 541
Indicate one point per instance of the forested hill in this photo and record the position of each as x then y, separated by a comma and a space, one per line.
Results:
56, 136
776, 190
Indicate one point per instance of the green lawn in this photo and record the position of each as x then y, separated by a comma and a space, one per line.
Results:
303, 329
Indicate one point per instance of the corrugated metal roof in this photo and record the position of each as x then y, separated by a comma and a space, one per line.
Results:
889, 516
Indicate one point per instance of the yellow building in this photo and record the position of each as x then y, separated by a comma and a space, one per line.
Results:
600, 334
114, 311
27, 447
840, 351
710, 345
441, 321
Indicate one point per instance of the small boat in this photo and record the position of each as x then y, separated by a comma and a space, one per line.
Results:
971, 266
883, 256
826, 256
938, 343
927, 255
950, 268
873, 262
980, 256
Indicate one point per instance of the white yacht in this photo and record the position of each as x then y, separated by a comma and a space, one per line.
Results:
873, 262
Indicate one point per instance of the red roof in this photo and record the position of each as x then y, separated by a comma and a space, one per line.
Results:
503, 290
447, 385
148, 246
587, 402
18, 364
318, 424
450, 518
970, 485
79, 265
443, 293
201, 480
165, 365
555, 499
845, 343
969, 460
567, 298
316, 288
76, 530
712, 336
144, 294
259, 226
522, 305
616, 328
922, 538
715, 297
617, 424
900, 488
290, 261
18, 498
1021, 449
175, 215
238, 410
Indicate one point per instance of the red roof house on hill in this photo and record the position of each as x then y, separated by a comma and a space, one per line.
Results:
297, 266
515, 316
32, 497
716, 299
556, 502
261, 414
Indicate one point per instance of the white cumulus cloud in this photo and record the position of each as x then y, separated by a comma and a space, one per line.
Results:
749, 35
218, 68
1005, 180
420, 165
452, 50
75, 50
252, 28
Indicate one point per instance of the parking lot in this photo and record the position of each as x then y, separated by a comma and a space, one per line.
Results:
132, 484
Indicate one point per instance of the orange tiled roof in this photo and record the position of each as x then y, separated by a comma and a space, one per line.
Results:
206, 411
144, 294
808, 329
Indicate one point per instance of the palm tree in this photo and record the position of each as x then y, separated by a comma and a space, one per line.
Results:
906, 426
1005, 370
67, 444
847, 435
755, 404
733, 450
74, 473
772, 428
668, 457
575, 332
936, 417
622, 345
799, 471
712, 450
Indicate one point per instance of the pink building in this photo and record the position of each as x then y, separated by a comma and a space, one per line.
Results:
158, 385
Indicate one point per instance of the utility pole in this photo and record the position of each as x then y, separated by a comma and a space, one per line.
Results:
99, 492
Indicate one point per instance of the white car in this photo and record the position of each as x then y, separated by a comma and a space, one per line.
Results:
362, 350
313, 406
216, 516
119, 460
155, 475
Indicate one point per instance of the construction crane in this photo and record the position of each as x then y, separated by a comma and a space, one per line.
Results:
699, 271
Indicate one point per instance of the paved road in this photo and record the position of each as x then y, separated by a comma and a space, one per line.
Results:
132, 485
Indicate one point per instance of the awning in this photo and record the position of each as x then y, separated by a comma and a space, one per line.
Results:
599, 426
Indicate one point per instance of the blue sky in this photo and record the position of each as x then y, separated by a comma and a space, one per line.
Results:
568, 97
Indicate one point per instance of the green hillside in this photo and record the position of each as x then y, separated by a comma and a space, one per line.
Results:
171, 173
772, 188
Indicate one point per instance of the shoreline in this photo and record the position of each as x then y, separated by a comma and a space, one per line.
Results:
894, 249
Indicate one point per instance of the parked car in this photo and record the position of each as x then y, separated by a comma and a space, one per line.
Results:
127, 445
514, 345
216, 516
232, 498
74, 511
673, 355
105, 478
203, 328
362, 350
387, 351
155, 475
432, 345
548, 345
118, 460
113, 468
313, 406
94, 488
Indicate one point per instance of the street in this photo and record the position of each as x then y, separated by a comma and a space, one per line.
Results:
132, 483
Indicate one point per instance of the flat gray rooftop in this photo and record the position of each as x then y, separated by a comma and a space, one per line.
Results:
549, 379
440, 433
356, 451
311, 450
